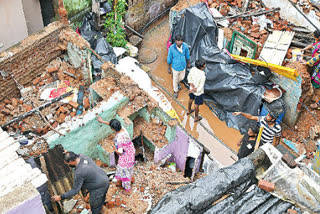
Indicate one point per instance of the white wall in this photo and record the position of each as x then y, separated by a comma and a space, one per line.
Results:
13, 27
33, 17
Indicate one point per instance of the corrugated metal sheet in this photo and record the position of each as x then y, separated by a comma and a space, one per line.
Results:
15, 172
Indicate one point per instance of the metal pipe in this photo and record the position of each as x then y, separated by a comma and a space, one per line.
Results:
149, 23
130, 28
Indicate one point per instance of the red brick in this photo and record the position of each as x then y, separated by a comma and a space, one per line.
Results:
255, 29
291, 211
36, 80
266, 185
5, 111
41, 83
52, 69
7, 101
63, 109
141, 189
10, 107
111, 204
14, 102
74, 104
289, 160
263, 32
86, 103
28, 108
61, 118
99, 163
246, 22
163, 131
255, 35
58, 112
55, 125
118, 202
88, 206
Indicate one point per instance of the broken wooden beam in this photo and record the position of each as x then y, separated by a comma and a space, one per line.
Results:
21, 117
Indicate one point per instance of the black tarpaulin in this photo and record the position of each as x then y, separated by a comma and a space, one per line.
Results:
97, 43
229, 85
197, 197
229, 190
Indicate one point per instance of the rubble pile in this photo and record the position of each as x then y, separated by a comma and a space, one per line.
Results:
306, 86
307, 6
150, 183
255, 28
58, 74
106, 145
35, 149
154, 130
138, 98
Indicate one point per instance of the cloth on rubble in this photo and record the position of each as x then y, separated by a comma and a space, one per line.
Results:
124, 168
92, 178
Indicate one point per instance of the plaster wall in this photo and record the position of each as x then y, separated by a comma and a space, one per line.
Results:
12, 23
33, 17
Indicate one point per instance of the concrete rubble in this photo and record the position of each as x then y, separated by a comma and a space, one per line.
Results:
69, 70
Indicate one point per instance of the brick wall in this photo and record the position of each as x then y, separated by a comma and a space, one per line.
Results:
29, 59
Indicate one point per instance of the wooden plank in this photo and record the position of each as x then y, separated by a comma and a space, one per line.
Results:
276, 47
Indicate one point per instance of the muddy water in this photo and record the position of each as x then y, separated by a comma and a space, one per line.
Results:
156, 38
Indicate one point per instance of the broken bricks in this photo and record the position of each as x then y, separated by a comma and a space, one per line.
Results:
266, 185
289, 160
74, 104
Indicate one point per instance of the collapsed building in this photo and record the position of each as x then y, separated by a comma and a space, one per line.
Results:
43, 79
55, 104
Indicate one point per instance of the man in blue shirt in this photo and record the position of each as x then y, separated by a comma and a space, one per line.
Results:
178, 59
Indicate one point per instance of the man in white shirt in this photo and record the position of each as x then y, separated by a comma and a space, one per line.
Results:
196, 79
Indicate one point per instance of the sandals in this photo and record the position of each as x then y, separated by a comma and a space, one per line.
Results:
199, 118
192, 110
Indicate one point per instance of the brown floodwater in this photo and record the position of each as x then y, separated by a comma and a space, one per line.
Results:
155, 39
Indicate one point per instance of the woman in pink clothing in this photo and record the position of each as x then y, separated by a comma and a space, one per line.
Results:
125, 149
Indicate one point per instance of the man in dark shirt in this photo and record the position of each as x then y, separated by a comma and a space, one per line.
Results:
248, 142
88, 175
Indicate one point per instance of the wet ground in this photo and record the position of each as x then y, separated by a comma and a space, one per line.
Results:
155, 39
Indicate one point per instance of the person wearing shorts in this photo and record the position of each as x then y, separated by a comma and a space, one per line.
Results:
196, 79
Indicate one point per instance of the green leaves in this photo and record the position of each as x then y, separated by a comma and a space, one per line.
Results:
116, 35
